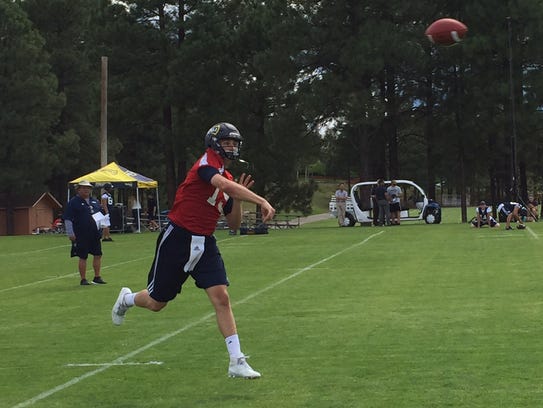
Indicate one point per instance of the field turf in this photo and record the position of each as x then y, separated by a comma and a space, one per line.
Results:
410, 316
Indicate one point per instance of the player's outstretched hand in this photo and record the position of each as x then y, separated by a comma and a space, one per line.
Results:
268, 212
246, 180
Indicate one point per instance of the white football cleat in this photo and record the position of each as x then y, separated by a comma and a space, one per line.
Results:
239, 368
120, 308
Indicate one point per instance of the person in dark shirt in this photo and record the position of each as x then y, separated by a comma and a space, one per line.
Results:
383, 202
512, 211
152, 213
83, 230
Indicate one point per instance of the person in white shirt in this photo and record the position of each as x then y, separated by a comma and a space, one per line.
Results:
341, 204
106, 202
483, 216
395, 194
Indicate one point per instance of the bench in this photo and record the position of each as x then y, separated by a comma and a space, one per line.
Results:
252, 220
285, 221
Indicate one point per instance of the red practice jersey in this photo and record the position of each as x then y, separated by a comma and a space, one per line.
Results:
198, 205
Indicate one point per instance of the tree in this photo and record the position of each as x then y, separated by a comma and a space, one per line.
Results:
29, 107
29, 104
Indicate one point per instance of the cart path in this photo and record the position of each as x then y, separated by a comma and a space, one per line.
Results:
313, 218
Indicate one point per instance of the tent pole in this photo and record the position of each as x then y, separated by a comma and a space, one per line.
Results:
139, 207
158, 210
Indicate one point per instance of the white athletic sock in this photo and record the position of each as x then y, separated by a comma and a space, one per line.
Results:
233, 346
129, 299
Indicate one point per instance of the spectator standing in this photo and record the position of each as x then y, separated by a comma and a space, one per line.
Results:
341, 204
382, 198
83, 231
152, 212
107, 204
374, 206
394, 193
187, 246
136, 211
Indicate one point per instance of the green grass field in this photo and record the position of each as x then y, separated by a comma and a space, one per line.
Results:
411, 316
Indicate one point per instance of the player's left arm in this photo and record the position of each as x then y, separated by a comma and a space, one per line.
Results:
233, 217
238, 191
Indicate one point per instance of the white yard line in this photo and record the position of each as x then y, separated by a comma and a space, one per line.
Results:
508, 235
532, 233
111, 364
69, 275
121, 360
35, 251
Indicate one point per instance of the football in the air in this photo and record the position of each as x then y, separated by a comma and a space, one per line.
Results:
446, 31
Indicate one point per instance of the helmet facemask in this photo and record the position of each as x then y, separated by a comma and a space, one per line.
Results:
224, 131
229, 154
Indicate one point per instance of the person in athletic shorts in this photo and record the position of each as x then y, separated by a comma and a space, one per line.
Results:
395, 193
483, 216
187, 246
107, 204
512, 211
83, 231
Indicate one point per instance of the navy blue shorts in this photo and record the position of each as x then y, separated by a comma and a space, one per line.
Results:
179, 254
394, 207
83, 246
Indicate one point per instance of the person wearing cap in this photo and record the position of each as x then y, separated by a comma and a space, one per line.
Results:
107, 204
483, 216
83, 230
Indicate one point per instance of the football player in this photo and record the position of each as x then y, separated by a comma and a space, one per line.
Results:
187, 246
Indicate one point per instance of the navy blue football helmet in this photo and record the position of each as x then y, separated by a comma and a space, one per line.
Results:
222, 131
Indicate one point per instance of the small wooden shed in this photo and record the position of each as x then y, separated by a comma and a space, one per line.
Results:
24, 214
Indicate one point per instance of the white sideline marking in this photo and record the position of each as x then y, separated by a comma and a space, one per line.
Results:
508, 236
111, 364
532, 233
35, 251
70, 275
122, 359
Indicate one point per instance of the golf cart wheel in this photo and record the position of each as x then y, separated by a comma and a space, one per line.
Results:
349, 220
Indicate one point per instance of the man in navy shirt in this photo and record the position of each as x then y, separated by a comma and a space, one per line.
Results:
83, 230
381, 195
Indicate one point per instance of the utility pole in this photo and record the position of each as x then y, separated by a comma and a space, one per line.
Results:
514, 186
103, 115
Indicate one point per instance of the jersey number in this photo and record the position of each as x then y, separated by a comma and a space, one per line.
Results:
213, 200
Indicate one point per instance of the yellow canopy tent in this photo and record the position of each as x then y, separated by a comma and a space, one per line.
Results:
113, 173
120, 177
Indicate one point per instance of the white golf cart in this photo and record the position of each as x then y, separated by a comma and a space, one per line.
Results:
414, 204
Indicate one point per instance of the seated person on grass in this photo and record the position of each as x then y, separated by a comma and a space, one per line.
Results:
483, 216
533, 209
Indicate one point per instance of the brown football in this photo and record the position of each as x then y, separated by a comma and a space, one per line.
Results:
446, 31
